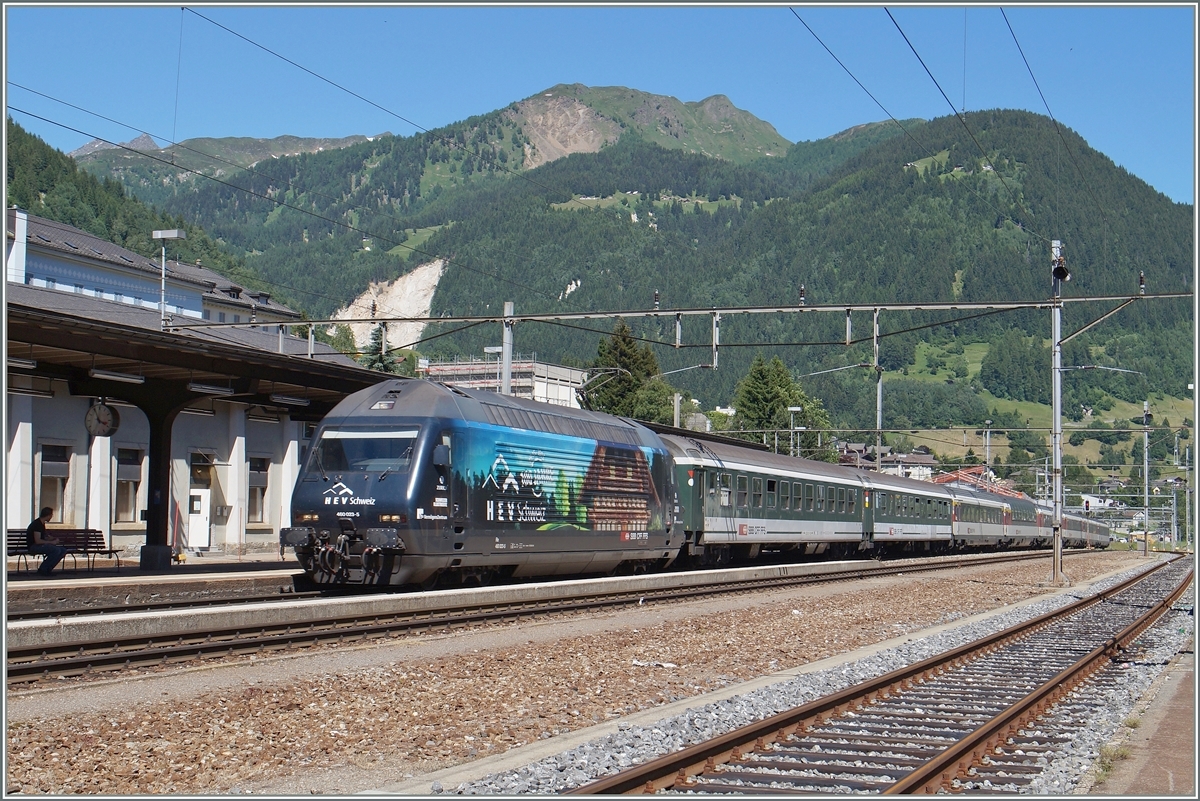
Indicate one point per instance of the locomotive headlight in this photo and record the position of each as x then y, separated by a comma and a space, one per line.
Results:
308, 517
393, 518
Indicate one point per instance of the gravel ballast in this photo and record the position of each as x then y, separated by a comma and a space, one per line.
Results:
1090, 719
344, 720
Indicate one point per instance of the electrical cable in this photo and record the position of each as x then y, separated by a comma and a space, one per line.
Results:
282, 204
1058, 130
907, 133
445, 140
967, 128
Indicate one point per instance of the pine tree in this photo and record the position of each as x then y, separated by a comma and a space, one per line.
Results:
623, 368
765, 398
377, 357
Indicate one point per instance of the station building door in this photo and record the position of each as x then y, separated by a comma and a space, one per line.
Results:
199, 530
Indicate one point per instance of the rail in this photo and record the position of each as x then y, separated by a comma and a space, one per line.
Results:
750, 751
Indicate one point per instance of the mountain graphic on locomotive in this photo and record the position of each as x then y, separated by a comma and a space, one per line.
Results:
414, 483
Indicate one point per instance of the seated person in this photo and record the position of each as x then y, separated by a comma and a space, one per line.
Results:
44, 543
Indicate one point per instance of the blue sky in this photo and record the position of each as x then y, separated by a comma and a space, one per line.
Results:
1122, 77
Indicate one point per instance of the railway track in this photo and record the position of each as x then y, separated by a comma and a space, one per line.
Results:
71, 656
961, 722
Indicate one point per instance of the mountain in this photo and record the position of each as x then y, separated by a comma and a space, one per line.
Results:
575, 118
45, 182
143, 142
152, 172
871, 215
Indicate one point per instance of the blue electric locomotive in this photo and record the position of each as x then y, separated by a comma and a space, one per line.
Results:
411, 480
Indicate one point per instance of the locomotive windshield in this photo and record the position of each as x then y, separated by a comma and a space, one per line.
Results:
373, 451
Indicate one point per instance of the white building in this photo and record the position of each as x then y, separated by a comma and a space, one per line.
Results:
548, 383
237, 403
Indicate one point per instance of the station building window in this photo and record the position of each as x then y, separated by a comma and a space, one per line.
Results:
56, 470
256, 502
129, 477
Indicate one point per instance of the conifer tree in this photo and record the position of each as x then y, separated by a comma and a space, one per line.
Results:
627, 366
377, 357
763, 400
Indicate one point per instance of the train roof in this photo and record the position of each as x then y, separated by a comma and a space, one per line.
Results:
407, 397
727, 450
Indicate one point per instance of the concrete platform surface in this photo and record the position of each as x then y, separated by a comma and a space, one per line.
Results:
1161, 759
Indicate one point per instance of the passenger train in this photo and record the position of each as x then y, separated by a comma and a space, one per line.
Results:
419, 484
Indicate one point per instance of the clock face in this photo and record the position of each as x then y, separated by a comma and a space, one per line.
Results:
101, 420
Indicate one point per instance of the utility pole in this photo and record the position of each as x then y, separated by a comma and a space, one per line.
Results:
1059, 274
506, 356
987, 453
878, 400
1146, 476
1187, 502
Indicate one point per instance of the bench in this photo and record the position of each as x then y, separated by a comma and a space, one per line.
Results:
86, 542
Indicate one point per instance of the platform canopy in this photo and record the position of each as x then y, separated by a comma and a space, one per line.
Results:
105, 349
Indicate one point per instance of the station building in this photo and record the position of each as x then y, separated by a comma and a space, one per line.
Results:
236, 404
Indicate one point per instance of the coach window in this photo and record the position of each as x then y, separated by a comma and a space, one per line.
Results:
808, 497
742, 492
772, 490
758, 492
785, 494
851, 497
820, 497
841, 496
726, 489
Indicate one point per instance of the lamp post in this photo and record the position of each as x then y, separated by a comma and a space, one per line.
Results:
496, 350
987, 452
170, 233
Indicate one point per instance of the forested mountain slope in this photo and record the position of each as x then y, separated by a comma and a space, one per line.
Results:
874, 215
45, 182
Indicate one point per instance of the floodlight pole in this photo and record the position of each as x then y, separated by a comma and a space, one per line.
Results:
1058, 275
172, 233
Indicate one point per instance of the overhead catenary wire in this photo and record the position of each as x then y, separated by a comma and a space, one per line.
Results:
282, 204
987, 201
449, 141
967, 128
1058, 130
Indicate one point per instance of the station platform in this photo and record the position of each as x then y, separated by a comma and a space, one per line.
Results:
207, 574
1158, 758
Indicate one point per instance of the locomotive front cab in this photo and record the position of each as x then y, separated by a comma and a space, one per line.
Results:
351, 507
